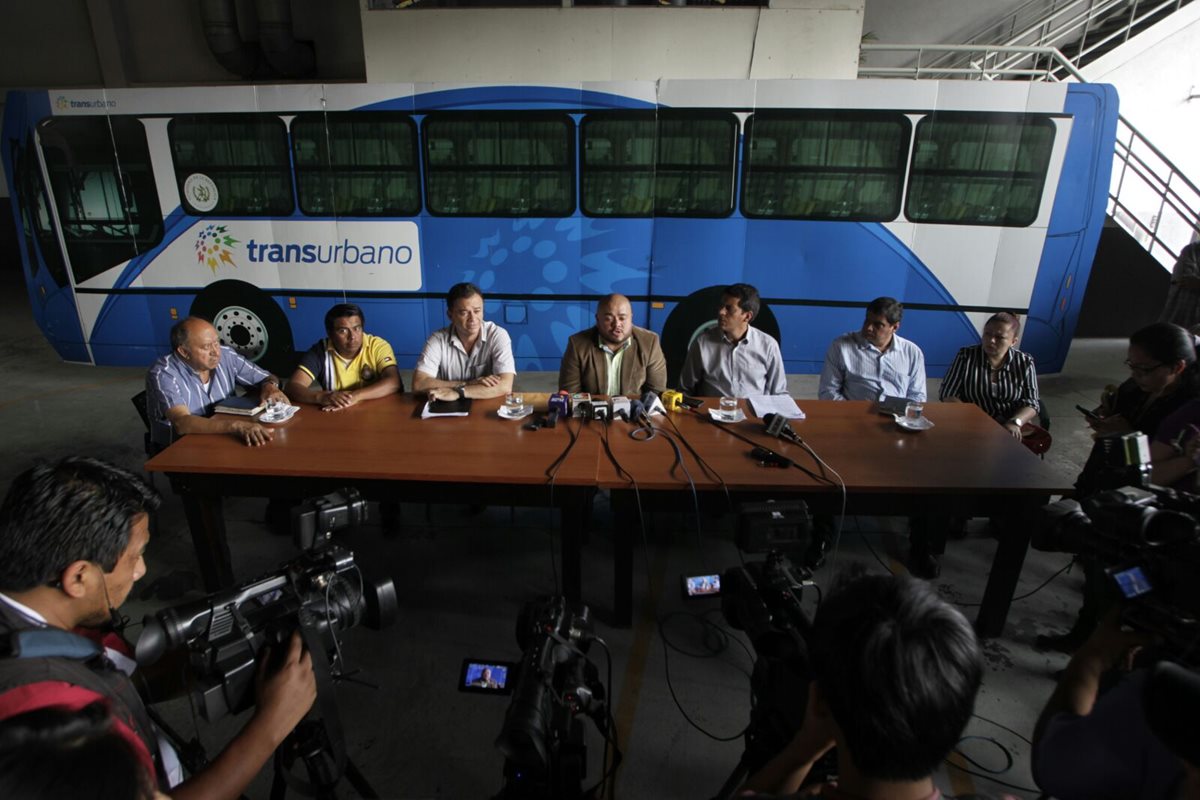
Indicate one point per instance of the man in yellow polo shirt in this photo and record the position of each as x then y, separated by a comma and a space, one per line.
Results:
347, 367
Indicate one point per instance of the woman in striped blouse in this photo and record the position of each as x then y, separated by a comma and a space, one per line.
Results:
996, 376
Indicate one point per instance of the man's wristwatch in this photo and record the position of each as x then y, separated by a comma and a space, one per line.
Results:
462, 391
1016, 421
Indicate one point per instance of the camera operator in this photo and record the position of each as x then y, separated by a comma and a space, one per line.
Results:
895, 673
1093, 746
72, 539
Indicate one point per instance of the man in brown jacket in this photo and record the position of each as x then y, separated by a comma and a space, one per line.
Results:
614, 357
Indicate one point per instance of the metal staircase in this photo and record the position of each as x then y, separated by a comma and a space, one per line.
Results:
1082, 30
1049, 40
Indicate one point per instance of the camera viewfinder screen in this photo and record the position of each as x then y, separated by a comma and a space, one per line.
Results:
1132, 582
492, 677
700, 585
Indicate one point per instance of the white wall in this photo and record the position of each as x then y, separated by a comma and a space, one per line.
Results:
931, 21
1154, 74
806, 39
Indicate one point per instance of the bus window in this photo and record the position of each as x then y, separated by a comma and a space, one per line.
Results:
480, 164
979, 169
356, 164
835, 165
103, 188
666, 164
618, 166
35, 215
694, 171
234, 164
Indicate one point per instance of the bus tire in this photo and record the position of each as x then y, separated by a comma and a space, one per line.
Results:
250, 322
695, 314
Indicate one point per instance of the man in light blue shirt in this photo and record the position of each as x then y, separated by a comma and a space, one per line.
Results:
874, 362
184, 386
733, 359
871, 364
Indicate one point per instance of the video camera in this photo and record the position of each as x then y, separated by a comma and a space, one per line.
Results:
762, 598
322, 591
1145, 537
542, 735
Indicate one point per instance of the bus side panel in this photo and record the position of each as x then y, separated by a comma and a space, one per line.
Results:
525, 268
1075, 224
846, 263
401, 321
50, 296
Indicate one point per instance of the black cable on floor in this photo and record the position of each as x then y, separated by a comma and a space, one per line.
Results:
1004, 727
667, 647
1031, 593
858, 529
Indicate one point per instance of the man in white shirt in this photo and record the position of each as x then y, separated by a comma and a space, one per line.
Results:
470, 357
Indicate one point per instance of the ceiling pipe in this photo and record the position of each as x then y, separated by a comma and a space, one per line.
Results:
292, 59
219, 19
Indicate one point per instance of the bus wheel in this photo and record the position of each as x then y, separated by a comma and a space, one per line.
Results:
695, 314
250, 322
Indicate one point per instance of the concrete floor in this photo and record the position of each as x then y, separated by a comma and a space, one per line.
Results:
462, 579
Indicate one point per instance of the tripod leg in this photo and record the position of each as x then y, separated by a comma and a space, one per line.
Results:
735, 779
360, 784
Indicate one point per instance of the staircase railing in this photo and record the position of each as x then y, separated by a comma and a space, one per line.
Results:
1079, 27
1148, 196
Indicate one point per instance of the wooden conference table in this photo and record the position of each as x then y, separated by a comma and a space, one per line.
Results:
965, 465
388, 452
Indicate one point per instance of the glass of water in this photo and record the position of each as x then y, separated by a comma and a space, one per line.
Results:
914, 411
729, 409
514, 403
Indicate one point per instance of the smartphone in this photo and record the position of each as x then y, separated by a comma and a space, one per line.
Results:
701, 586
1132, 581
692, 402
1087, 412
486, 677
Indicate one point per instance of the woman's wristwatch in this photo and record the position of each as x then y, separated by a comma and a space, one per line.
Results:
1016, 421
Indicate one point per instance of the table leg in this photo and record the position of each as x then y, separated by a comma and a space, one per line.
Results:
624, 512
206, 519
576, 511
1006, 571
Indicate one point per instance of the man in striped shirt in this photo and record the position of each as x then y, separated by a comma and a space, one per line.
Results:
184, 386
874, 362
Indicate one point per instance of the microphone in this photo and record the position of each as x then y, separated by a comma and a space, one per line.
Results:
652, 404
637, 410
779, 427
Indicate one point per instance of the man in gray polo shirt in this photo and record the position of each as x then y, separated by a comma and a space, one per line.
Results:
470, 357
183, 386
733, 359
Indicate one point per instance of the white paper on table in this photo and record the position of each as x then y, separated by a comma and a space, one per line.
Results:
427, 414
780, 404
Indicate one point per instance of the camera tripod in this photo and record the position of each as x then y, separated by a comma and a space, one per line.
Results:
310, 743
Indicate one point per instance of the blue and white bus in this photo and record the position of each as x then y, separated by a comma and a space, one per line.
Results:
258, 207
